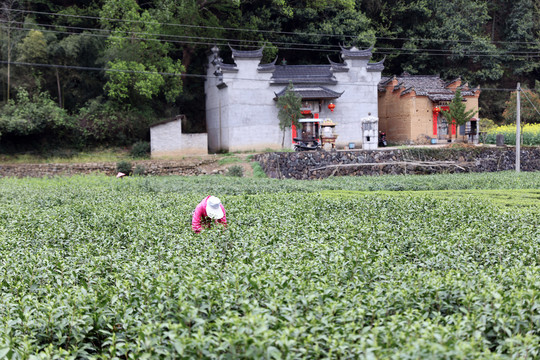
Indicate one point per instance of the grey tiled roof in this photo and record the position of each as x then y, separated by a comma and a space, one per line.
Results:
246, 54
303, 74
312, 92
431, 86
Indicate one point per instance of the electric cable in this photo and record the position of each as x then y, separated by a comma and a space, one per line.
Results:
263, 31
312, 77
400, 51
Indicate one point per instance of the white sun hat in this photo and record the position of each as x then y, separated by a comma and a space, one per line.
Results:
213, 208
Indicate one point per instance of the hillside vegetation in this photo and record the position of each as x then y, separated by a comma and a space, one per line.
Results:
88, 73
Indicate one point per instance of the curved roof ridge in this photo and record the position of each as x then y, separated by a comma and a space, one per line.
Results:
354, 52
376, 66
268, 67
333, 63
246, 54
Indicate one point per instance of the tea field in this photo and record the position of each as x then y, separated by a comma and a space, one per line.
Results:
398, 267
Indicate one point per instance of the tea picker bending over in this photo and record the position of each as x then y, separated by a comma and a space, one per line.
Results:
209, 211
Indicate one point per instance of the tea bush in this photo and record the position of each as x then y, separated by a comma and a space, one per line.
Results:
310, 269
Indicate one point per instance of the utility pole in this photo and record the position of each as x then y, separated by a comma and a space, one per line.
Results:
518, 130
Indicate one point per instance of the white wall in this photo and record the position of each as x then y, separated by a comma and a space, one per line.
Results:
243, 115
359, 99
167, 140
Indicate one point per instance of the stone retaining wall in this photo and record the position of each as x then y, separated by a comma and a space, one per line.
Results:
321, 164
107, 168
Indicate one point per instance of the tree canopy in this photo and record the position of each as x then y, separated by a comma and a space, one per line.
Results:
289, 113
147, 59
457, 113
529, 109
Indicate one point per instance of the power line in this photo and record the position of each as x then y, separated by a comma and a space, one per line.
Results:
456, 41
58, 66
263, 31
190, 75
180, 25
162, 40
151, 34
527, 96
236, 40
442, 52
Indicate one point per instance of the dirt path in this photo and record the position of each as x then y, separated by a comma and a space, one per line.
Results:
189, 166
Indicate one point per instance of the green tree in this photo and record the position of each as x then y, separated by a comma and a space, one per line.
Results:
188, 19
8, 18
530, 106
63, 51
32, 49
522, 33
439, 36
300, 27
457, 114
140, 62
289, 114
32, 115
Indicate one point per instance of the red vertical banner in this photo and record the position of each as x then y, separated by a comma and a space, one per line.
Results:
435, 115
453, 127
293, 132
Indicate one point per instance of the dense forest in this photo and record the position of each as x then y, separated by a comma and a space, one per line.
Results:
99, 72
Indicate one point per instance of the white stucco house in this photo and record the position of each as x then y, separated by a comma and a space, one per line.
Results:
241, 112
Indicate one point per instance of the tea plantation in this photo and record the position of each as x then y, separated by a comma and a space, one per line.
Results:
399, 267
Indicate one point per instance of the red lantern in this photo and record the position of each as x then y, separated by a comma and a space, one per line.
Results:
436, 110
331, 106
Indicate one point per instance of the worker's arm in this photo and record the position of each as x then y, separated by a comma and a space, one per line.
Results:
197, 216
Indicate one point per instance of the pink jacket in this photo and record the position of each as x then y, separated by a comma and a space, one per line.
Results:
201, 219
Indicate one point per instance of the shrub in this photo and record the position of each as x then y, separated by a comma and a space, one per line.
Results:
236, 171
124, 167
487, 124
141, 149
258, 171
33, 115
108, 123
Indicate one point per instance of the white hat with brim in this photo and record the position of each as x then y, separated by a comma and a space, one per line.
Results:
213, 208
